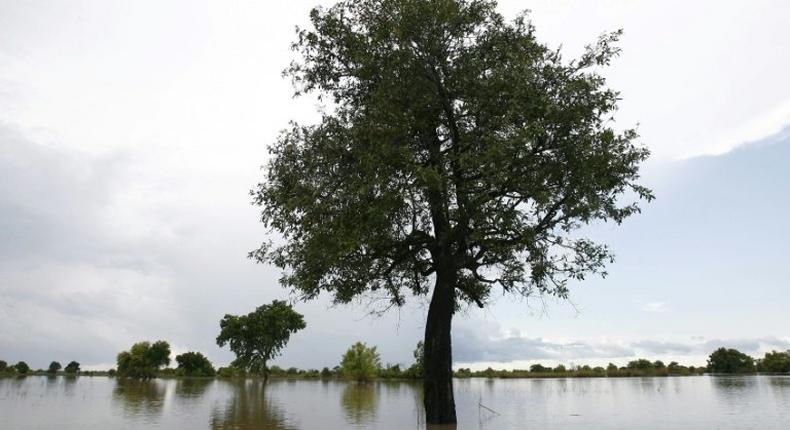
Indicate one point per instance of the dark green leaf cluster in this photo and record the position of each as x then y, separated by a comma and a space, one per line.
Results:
456, 144
194, 364
22, 368
72, 368
775, 362
259, 336
53, 367
144, 359
728, 360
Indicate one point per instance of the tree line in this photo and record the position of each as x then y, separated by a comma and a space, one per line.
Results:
260, 336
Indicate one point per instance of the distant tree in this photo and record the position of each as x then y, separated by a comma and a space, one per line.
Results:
3, 366
326, 373
725, 360
460, 156
53, 367
72, 368
776, 362
416, 369
22, 368
539, 368
360, 362
259, 336
560, 369
194, 364
144, 359
658, 364
640, 364
611, 368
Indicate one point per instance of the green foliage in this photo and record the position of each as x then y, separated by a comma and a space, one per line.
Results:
326, 373
361, 363
776, 362
560, 369
144, 359
641, 364
228, 372
194, 364
537, 368
53, 367
416, 369
259, 336
725, 360
392, 371
72, 368
484, 163
22, 368
3, 366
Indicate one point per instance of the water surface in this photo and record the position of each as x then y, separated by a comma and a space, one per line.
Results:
88, 403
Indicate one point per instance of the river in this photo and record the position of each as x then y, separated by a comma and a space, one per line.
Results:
700, 402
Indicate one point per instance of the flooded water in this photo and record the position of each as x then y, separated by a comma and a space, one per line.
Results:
85, 403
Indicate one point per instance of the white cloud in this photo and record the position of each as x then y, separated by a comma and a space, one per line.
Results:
655, 307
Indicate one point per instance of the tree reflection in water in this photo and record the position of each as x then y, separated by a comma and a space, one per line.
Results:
140, 398
360, 402
192, 387
249, 409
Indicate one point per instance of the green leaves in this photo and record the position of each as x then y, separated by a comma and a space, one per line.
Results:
142, 360
456, 143
259, 336
360, 362
194, 364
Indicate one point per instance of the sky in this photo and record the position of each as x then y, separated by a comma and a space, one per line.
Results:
132, 132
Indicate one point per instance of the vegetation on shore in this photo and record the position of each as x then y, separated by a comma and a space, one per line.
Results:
363, 363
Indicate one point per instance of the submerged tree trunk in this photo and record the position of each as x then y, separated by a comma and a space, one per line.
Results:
438, 362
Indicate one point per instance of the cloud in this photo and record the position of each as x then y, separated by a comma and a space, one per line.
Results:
473, 343
655, 307
488, 342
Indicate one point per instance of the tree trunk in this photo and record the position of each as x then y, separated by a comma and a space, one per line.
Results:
438, 362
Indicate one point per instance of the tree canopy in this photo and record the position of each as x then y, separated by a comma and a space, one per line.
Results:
458, 152
53, 367
360, 362
72, 367
22, 368
143, 359
194, 364
259, 336
775, 362
729, 360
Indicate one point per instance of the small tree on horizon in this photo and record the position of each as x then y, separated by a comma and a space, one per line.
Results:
53, 367
259, 336
22, 368
72, 368
361, 363
194, 364
730, 360
776, 362
144, 359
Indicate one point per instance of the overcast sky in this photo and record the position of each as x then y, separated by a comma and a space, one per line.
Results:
131, 132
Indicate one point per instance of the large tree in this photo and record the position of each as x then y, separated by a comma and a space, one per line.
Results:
259, 336
457, 155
